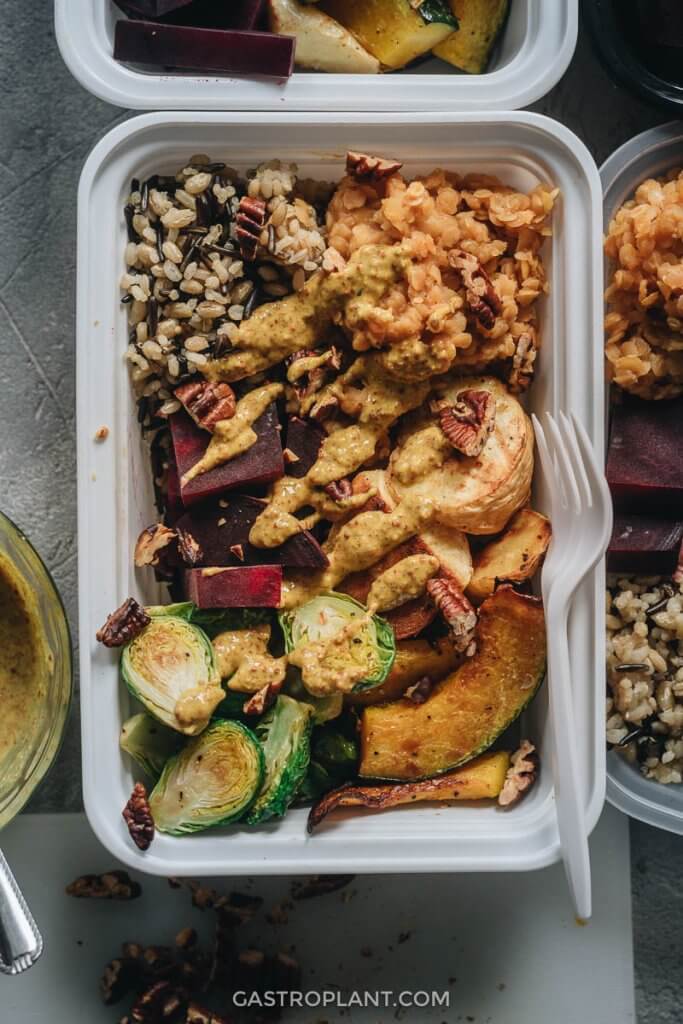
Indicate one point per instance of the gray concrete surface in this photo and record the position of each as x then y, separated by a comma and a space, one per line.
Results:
47, 125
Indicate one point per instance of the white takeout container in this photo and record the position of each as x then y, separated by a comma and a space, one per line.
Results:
115, 488
536, 46
648, 155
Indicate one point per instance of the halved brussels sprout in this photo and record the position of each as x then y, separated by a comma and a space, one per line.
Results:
212, 781
170, 668
285, 734
339, 647
324, 708
334, 758
149, 742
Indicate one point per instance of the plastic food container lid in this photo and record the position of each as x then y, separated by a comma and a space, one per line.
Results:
536, 47
647, 155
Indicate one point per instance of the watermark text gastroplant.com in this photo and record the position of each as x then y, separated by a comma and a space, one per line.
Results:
336, 999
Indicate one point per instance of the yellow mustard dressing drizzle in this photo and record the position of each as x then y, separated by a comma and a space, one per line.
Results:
234, 436
197, 704
402, 582
242, 656
321, 672
278, 329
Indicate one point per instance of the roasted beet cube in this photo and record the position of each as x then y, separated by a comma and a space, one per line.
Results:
303, 441
645, 458
260, 464
174, 505
204, 49
252, 586
150, 8
244, 14
221, 529
645, 546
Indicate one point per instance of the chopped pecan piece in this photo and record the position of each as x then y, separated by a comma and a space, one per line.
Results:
319, 885
420, 691
468, 424
153, 544
340, 490
207, 402
456, 610
157, 1003
370, 169
123, 625
238, 551
112, 885
521, 775
188, 547
324, 408
262, 699
197, 1014
481, 296
138, 818
308, 372
119, 977
522, 369
250, 219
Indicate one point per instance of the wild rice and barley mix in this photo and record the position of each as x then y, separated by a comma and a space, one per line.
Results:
205, 248
645, 674
644, 322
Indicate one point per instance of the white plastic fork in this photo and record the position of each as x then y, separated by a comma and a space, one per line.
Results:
581, 514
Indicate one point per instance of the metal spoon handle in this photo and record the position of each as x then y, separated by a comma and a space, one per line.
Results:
20, 941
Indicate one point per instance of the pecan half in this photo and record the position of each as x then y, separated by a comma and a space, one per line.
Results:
154, 543
468, 424
522, 369
459, 614
119, 977
197, 1014
123, 625
521, 775
370, 169
158, 1003
481, 296
112, 885
207, 402
250, 219
138, 818
188, 547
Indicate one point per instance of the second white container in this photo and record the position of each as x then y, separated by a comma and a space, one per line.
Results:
115, 491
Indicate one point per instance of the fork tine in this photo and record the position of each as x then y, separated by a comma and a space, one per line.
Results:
543, 450
594, 470
566, 471
569, 434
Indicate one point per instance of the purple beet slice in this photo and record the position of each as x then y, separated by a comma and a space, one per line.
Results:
174, 503
221, 528
645, 546
645, 458
243, 14
204, 49
304, 438
251, 586
260, 464
150, 8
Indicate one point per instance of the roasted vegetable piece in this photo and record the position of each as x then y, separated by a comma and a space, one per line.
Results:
334, 757
150, 8
480, 24
476, 495
394, 31
468, 709
645, 457
221, 529
366, 654
213, 781
209, 14
322, 44
170, 668
513, 557
481, 779
414, 659
149, 742
285, 734
253, 586
644, 545
204, 49
260, 464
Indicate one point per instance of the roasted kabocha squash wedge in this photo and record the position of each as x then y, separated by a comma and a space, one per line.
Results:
471, 707
481, 779
394, 31
480, 24
415, 658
